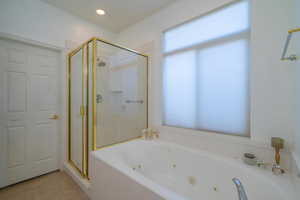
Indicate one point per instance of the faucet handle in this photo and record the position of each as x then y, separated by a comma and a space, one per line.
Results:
277, 170
145, 134
262, 164
155, 133
149, 133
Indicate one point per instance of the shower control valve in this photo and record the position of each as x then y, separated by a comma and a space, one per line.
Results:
99, 98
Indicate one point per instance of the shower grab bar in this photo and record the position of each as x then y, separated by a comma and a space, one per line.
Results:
240, 189
132, 101
288, 39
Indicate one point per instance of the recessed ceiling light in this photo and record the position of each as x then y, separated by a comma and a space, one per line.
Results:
100, 12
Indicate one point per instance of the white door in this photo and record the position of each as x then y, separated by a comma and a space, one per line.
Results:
28, 101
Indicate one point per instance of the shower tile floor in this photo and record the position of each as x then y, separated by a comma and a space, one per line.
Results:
52, 186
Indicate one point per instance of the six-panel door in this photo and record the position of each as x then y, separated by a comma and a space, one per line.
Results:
28, 103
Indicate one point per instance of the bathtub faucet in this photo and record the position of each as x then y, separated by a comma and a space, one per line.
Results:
240, 189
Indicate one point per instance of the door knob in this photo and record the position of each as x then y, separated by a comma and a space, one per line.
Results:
54, 117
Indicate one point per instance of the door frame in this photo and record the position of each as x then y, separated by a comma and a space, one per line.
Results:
62, 85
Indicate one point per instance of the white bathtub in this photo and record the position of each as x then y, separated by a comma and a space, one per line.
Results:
156, 170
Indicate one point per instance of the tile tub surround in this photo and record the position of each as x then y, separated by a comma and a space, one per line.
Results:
53, 186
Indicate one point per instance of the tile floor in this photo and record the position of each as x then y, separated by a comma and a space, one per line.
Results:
53, 186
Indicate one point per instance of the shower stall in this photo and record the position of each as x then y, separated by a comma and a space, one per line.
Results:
107, 98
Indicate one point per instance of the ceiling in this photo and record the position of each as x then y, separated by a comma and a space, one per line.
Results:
119, 13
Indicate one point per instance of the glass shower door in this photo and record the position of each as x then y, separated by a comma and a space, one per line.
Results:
107, 99
77, 110
121, 94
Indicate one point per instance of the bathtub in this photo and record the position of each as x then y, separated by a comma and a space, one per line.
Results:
157, 170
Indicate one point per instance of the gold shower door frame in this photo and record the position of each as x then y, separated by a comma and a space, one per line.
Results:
85, 96
83, 110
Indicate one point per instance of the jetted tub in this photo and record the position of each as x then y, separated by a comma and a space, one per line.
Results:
157, 170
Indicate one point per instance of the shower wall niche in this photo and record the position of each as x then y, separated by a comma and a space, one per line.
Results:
107, 99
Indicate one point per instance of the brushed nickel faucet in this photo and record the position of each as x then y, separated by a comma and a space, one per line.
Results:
241, 191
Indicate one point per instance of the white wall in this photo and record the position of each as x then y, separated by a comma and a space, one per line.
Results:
271, 86
296, 41
296, 49
36, 20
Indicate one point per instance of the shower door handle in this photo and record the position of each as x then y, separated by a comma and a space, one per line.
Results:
54, 117
132, 101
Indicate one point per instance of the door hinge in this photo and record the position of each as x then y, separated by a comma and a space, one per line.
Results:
82, 111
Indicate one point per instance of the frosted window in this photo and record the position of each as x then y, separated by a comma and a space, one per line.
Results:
180, 87
222, 88
206, 86
218, 24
